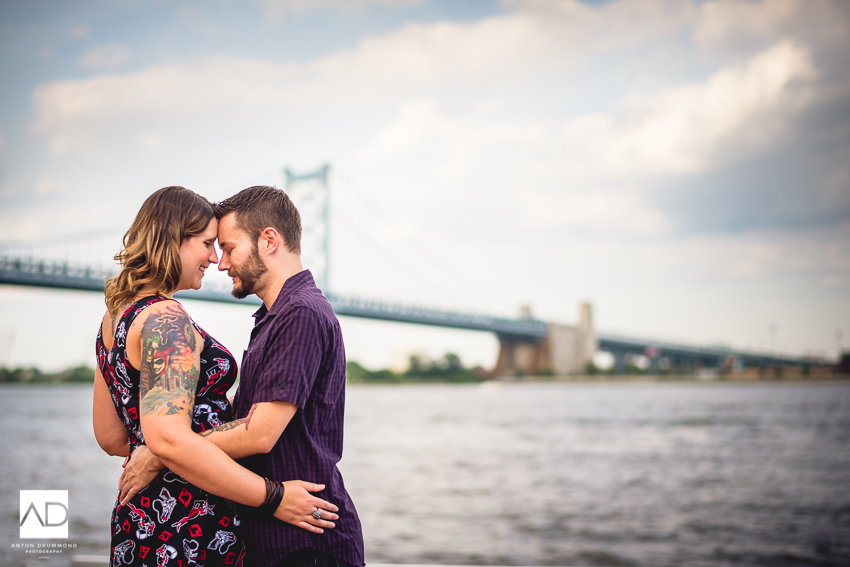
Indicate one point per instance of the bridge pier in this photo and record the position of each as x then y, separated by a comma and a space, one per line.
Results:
565, 350
653, 366
620, 363
517, 357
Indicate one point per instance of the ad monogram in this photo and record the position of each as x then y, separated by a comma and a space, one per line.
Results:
44, 514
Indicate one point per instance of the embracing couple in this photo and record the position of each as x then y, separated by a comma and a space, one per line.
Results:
209, 480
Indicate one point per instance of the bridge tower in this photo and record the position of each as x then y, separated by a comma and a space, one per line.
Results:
311, 196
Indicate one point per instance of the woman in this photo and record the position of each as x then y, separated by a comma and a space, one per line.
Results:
160, 381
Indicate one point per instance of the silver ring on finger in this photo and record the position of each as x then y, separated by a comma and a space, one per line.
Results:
317, 514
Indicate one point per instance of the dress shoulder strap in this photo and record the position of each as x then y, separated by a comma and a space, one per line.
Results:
130, 315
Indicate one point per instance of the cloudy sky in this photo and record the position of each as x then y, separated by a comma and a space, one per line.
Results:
684, 166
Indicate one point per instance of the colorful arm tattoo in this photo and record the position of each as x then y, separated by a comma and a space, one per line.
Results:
169, 374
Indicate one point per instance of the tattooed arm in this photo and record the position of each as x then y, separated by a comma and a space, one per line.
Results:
170, 360
239, 438
258, 432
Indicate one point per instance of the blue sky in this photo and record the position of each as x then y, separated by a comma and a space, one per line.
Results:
681, 165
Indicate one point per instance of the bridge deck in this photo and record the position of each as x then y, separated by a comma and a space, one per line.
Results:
44, 274
26, 272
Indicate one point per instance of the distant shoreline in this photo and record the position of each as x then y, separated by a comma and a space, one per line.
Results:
584, 379
618, 380
577, 381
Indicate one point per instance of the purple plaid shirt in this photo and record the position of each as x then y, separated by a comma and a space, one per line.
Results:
296, 355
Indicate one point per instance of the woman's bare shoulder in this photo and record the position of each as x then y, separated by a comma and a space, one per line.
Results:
109, 325
156, 313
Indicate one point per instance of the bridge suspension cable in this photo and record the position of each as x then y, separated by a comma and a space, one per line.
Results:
470, 287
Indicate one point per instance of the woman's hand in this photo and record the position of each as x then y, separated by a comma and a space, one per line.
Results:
298, 505
140, 468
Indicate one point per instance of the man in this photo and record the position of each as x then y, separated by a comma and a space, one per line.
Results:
291, 395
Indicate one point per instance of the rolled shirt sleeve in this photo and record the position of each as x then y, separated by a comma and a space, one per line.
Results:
293, 357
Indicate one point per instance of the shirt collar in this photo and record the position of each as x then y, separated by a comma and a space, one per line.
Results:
290, 286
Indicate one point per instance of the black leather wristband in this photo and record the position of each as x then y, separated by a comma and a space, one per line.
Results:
274, 495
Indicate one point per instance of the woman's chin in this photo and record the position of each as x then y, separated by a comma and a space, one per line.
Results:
194, 285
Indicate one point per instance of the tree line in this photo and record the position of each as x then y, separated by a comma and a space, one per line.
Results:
449, 368
33, 375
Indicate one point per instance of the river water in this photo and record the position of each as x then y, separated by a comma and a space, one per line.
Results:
650, 474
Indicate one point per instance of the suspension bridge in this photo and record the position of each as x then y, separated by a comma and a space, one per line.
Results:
527, 345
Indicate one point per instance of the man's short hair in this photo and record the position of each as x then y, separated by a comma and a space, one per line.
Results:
260, 207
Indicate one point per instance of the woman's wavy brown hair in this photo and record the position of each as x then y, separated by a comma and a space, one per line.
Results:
150, 256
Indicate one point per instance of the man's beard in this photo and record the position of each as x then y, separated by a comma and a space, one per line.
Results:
248, 275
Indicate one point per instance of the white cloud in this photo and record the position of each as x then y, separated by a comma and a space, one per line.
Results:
451, 117
277, 10
592, 171
496, 53
9, 189
45, 186
105, 57
683, 129
773, 253
538, 37
744, 25
491, 56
